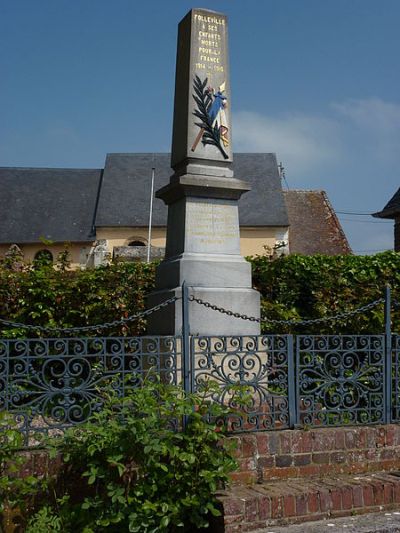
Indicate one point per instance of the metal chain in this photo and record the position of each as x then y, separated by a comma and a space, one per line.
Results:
339, 316
106, 325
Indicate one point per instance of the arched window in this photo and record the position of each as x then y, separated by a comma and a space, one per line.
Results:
136, 243
44, 256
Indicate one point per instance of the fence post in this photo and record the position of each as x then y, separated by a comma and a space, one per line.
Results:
186, 338
388, 356
293, 415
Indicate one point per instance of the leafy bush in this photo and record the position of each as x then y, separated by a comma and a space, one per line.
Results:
319, 286
15, 490
129, 469
42, 295
291, 287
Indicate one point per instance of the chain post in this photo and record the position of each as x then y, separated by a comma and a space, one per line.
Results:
187, 382
291, 384
186, 338
388, 356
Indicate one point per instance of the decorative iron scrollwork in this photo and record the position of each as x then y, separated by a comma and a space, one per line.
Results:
340, 379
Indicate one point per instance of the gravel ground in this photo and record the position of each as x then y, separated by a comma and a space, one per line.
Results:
387, 522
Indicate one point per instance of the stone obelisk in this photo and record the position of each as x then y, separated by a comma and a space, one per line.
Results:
203, 241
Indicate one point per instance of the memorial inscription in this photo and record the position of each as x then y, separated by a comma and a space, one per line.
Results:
212, 227
203, 239
202, 92
209, 84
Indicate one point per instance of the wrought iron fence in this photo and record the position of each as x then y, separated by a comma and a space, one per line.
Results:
49, 384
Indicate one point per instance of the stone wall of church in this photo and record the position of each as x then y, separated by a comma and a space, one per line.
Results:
79, 252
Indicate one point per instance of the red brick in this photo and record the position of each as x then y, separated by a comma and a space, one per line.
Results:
350, 438
273, 442
347, 498
233, 506
368, 496
389, 453
388, 493
251, 509
283, 460
338, 457
313, 502
311, 470
264, 508
371, 434
262, 440
355, 456
281, 473
232, 523
244, 478
247, 465
320, 458
249, 446
336, 497
302, 460
358, 496
325, 501
380, 437
266, 462
286, 442
276, 507
390, 436
339, 439
302, 442
378, 492
323, 439
289, 505
396, 434
396, 492
301, 504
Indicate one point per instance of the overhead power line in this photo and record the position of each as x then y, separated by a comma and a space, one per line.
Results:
365, 221
358, 213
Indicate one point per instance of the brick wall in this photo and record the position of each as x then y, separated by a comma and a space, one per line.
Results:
299, 453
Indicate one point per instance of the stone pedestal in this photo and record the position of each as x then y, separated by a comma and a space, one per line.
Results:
203, 241
203, 249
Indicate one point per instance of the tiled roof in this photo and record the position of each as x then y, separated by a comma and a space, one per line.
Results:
314, 227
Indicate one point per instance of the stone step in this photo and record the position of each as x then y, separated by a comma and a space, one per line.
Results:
276, 503
383, 522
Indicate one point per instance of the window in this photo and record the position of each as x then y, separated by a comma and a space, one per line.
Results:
44, 256
136, 243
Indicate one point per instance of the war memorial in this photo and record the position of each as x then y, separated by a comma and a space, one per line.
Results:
203, 246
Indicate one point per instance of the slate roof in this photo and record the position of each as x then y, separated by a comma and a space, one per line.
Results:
63, 204
125, 192
391, 209
314, 226
57, 204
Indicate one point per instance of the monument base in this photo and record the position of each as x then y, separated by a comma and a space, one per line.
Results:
203, 320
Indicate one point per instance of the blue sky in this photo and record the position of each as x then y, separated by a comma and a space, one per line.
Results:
315, 81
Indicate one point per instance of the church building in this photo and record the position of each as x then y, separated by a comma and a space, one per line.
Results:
104, 213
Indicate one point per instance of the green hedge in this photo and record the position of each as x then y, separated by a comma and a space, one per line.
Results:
42, 295
292, 287
319, 286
